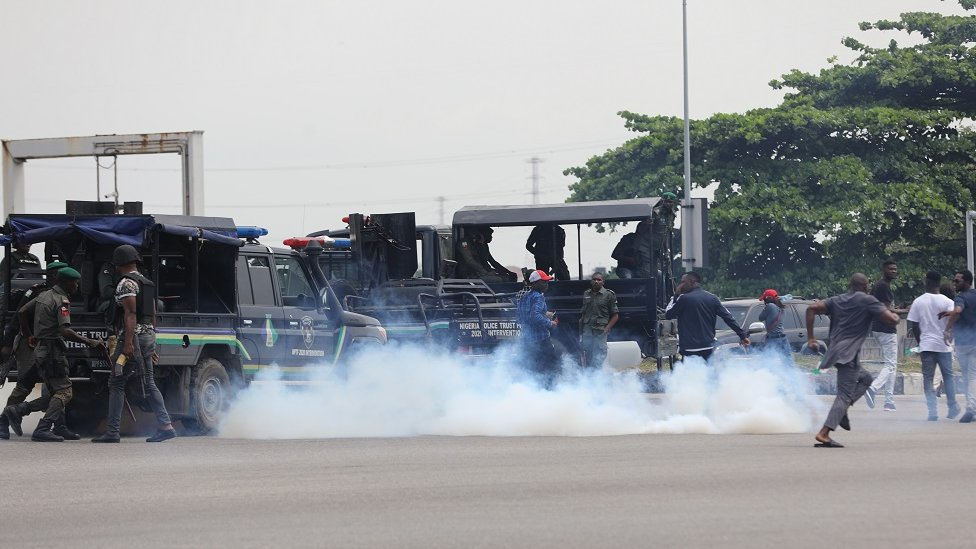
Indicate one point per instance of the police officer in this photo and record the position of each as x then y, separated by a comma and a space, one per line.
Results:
20, 258
597, 318
546, 243
652, 237
47, 321
27, 375
135, 299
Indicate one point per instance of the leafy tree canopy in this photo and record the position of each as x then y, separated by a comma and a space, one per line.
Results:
859, 163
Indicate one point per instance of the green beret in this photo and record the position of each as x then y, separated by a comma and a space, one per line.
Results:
55, 265
669, 195
68, 272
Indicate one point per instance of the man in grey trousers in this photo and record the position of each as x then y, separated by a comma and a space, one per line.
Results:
850, 315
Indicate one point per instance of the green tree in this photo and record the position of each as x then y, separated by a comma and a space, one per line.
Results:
859, 163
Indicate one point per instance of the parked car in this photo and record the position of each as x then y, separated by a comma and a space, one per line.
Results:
746, 313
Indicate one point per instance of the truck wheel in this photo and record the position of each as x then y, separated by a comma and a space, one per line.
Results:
209, 395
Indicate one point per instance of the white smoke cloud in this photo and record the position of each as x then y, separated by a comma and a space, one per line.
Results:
403, 391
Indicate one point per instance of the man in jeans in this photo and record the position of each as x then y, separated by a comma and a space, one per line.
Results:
887, 338
135, 299
962, 329
928, 325
536, 321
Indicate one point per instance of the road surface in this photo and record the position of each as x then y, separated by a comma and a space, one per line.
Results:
901, 482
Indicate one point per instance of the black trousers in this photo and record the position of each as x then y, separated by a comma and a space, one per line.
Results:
543, 361
706, 354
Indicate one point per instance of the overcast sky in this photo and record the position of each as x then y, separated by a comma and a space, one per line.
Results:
314, 109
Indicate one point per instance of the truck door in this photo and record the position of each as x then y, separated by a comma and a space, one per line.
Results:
262, 318
309, 334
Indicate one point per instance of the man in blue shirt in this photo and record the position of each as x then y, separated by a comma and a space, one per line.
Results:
962, 329
535, 321
772, 317
696, 311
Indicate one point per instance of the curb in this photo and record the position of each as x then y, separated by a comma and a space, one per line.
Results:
823, 384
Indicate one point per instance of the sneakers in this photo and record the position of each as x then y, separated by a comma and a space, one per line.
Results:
889, 407
162, 435
869, 397
953, 412
106, 438
967, 417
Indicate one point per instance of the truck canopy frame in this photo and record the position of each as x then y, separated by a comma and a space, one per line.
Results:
571, 213
134, 230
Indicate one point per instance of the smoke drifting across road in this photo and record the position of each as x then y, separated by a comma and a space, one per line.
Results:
402, 391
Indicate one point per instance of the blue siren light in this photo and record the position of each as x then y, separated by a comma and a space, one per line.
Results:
251, 232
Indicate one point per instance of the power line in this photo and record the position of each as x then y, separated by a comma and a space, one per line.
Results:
472, 157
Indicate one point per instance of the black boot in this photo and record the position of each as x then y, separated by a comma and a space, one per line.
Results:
61, 429
43, 432
4, 428
15, 414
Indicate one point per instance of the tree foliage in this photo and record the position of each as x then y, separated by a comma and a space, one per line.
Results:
859, 163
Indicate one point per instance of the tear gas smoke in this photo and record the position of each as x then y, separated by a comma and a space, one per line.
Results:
406, 391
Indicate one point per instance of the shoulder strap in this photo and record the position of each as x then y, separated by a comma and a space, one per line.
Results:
775, 323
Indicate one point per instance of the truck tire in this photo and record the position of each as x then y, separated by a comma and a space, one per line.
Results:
209, 396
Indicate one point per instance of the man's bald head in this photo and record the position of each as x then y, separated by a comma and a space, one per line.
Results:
859, 282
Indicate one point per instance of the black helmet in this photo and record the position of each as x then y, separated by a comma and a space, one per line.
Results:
125, 254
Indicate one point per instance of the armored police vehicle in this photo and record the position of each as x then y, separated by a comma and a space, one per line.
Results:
388, 267
227, 307
363, 270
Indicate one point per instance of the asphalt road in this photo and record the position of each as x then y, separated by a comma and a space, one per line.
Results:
901, 482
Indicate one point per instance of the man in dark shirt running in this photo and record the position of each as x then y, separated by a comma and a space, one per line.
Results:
850, 315
887, 338
696, 311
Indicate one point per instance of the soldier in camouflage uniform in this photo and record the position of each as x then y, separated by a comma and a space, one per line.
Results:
14, 342
47, 320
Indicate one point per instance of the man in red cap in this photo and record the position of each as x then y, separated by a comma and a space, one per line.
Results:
772, 317
535, 321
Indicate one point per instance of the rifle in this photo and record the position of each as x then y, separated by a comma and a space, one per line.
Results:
119, 364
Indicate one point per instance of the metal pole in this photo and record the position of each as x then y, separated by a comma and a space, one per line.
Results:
686, 204
115, 176
969, 239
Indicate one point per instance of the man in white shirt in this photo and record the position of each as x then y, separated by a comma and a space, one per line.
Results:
928, 329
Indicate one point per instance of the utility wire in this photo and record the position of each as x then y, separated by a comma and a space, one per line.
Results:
472, 157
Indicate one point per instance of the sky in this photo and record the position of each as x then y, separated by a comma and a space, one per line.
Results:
315, 109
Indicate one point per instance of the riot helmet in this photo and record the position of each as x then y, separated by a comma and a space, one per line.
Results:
125, 254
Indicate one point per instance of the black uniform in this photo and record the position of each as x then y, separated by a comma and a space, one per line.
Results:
546, 243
